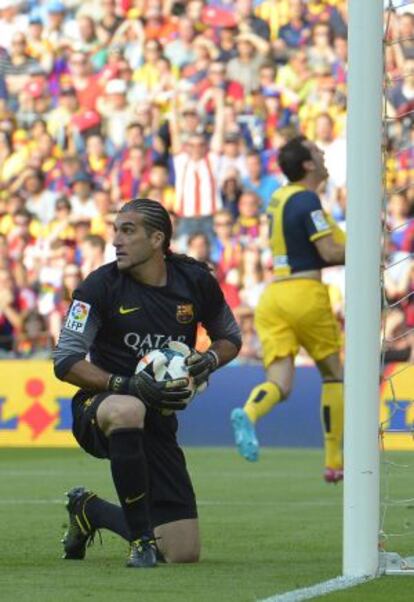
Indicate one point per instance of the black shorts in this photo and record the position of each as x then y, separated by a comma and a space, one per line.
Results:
171, 492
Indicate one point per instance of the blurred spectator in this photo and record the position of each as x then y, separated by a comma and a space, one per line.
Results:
11, 162
251, 53
88, 86
128, 41
252, 281
196, 165
407, 303
225, 249
247, 225
320, 51
397, 269
92, 253
233, 157
12, 304
34, 101
116, 112
10, 205
15, 67
60, 29
334, 148
198, 246
340, 63
408, 238
159, 188
105, 207
12, 21
398, 340
257, 180
294, 79
60, 118
275, 115
61, 177
231, 190
87, 40
60, 226
98, 161
402, 94
216, 78
4, 255
194, 73
227, 43
82, 201
34, 339
38, 47
406, 36
267, 75
180, 50
325, 97
71, 278
146, 77
297, 31
246, 19
131, 174
398, 219
20, 239
251, 348
109, 19
39, 201
134, 136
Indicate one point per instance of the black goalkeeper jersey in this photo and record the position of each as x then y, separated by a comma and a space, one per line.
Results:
118, 320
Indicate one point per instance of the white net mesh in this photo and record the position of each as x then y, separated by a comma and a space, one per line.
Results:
397, 391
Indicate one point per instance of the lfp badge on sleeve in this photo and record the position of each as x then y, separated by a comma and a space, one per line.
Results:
78, 316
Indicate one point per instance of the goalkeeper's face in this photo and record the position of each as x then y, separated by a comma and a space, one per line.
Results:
133, 243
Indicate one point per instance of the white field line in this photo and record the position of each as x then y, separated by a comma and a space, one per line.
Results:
320, 589
316, 503
276, 474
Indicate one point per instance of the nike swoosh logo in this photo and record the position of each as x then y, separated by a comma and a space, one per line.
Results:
131, 500
127, 310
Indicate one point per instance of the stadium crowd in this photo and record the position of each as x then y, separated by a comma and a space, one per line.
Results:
186, 102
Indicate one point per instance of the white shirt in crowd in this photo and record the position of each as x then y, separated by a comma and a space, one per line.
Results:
196, 185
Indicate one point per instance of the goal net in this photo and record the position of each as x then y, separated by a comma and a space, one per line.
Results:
397, 286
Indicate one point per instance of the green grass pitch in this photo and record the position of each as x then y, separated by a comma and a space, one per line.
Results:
266, 528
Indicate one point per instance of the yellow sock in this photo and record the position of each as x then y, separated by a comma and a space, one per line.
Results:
332, 403
261, 400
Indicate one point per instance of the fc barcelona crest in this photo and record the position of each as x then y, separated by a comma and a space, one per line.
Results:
185, 313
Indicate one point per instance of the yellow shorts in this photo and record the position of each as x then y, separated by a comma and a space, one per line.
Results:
293, 314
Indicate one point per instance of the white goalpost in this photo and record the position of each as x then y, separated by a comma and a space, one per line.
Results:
366, 186
366, 189
363, 291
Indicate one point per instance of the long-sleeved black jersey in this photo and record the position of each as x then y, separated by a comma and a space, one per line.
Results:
118, 320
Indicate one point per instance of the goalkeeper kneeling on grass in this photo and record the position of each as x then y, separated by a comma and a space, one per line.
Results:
144, 300
294, 310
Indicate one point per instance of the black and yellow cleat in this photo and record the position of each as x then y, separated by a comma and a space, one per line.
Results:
80, 533
142, 553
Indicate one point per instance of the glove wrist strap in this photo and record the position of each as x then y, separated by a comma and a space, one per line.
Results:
118, 384
215, 358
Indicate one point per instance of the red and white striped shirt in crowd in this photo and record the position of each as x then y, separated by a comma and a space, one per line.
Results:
196, 185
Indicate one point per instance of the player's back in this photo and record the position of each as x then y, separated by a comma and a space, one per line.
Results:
296, 220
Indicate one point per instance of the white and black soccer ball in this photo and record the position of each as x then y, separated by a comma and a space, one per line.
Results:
168, 363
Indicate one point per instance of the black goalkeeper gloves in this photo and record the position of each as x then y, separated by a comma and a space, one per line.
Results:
164, 395
201, 365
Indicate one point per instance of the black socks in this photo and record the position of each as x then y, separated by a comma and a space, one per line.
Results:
130, 476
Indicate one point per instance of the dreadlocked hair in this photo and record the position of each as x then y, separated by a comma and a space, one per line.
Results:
156, 217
